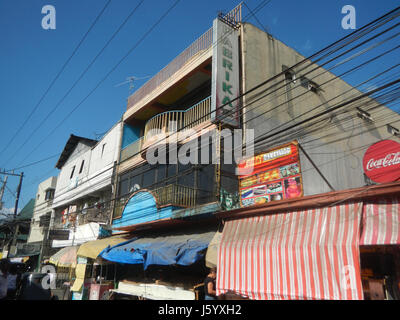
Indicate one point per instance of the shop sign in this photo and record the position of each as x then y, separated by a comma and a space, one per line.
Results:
225, 74
381, 161
276, 176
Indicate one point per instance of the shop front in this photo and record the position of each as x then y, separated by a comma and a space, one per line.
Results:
337, 246
161, 264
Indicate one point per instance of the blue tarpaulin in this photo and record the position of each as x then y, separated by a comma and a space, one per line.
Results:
181, 249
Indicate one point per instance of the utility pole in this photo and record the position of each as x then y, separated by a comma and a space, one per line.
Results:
2, 191
16, 227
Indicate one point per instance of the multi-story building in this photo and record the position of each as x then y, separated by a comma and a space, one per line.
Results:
83, 194
42, 211
207, 91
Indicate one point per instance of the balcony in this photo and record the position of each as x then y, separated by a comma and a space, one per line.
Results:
162, 124
175, 195
200, 45
188, 67
98, 215
172, 121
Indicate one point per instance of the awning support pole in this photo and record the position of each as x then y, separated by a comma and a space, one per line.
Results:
316, 168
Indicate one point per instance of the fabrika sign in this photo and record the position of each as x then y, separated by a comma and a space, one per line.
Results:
381, 161
225, 74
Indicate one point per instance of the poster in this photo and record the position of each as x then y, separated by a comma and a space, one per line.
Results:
276, 176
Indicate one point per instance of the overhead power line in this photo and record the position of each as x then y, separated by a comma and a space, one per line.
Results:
57, 76
78, 80
107, 75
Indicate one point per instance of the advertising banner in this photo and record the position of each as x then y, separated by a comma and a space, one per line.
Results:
276, 176
381, 161
225, 74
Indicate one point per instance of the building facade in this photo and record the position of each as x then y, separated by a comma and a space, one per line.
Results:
83, 195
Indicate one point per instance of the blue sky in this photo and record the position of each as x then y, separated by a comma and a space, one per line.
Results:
30, 57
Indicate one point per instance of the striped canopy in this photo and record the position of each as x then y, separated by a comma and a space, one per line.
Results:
311, 254
66, 257
381, 222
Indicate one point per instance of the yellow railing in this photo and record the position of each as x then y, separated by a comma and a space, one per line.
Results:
173, 194
197, 114
177, 195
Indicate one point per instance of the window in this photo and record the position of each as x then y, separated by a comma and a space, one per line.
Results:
102, 150
49, 194
81, 169
149, 177
72, 172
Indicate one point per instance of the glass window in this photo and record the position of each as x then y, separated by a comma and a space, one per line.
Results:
187, 179
172, 170
161, 172
81, 169
123, 187
72, 172
149, 177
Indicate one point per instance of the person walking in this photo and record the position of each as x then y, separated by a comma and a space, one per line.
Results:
4, 267
209, 285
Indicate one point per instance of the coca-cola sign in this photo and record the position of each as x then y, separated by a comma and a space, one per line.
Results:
381, 162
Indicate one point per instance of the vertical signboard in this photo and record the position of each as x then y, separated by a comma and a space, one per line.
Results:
276, 176
225, 74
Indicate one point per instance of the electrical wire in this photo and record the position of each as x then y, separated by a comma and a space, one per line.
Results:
57, 76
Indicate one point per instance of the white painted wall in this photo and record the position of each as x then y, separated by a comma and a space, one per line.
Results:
97, 170
42, 206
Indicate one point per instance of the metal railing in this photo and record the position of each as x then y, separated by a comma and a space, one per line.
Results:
173, 194
172, 121
177, 195
201, 44
99, 215
197, 114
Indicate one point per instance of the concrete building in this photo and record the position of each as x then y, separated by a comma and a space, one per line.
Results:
335, 143
200, 92
43, 210
83, 193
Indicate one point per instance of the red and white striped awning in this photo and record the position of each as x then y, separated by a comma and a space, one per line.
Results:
381, 222
312, 254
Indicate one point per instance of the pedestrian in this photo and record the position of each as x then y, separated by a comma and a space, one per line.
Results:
4, 266
209, 285
13, 278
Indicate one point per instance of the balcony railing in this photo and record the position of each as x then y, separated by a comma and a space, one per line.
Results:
99, 215
172, 121
173, 194
201, 44
177, 195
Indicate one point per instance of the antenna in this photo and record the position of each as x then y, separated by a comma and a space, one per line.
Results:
130, 80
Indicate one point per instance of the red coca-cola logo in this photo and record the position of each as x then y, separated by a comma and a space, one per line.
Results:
381, 162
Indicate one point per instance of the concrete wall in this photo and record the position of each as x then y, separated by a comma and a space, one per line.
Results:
42, 207
97, 171
336, 144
